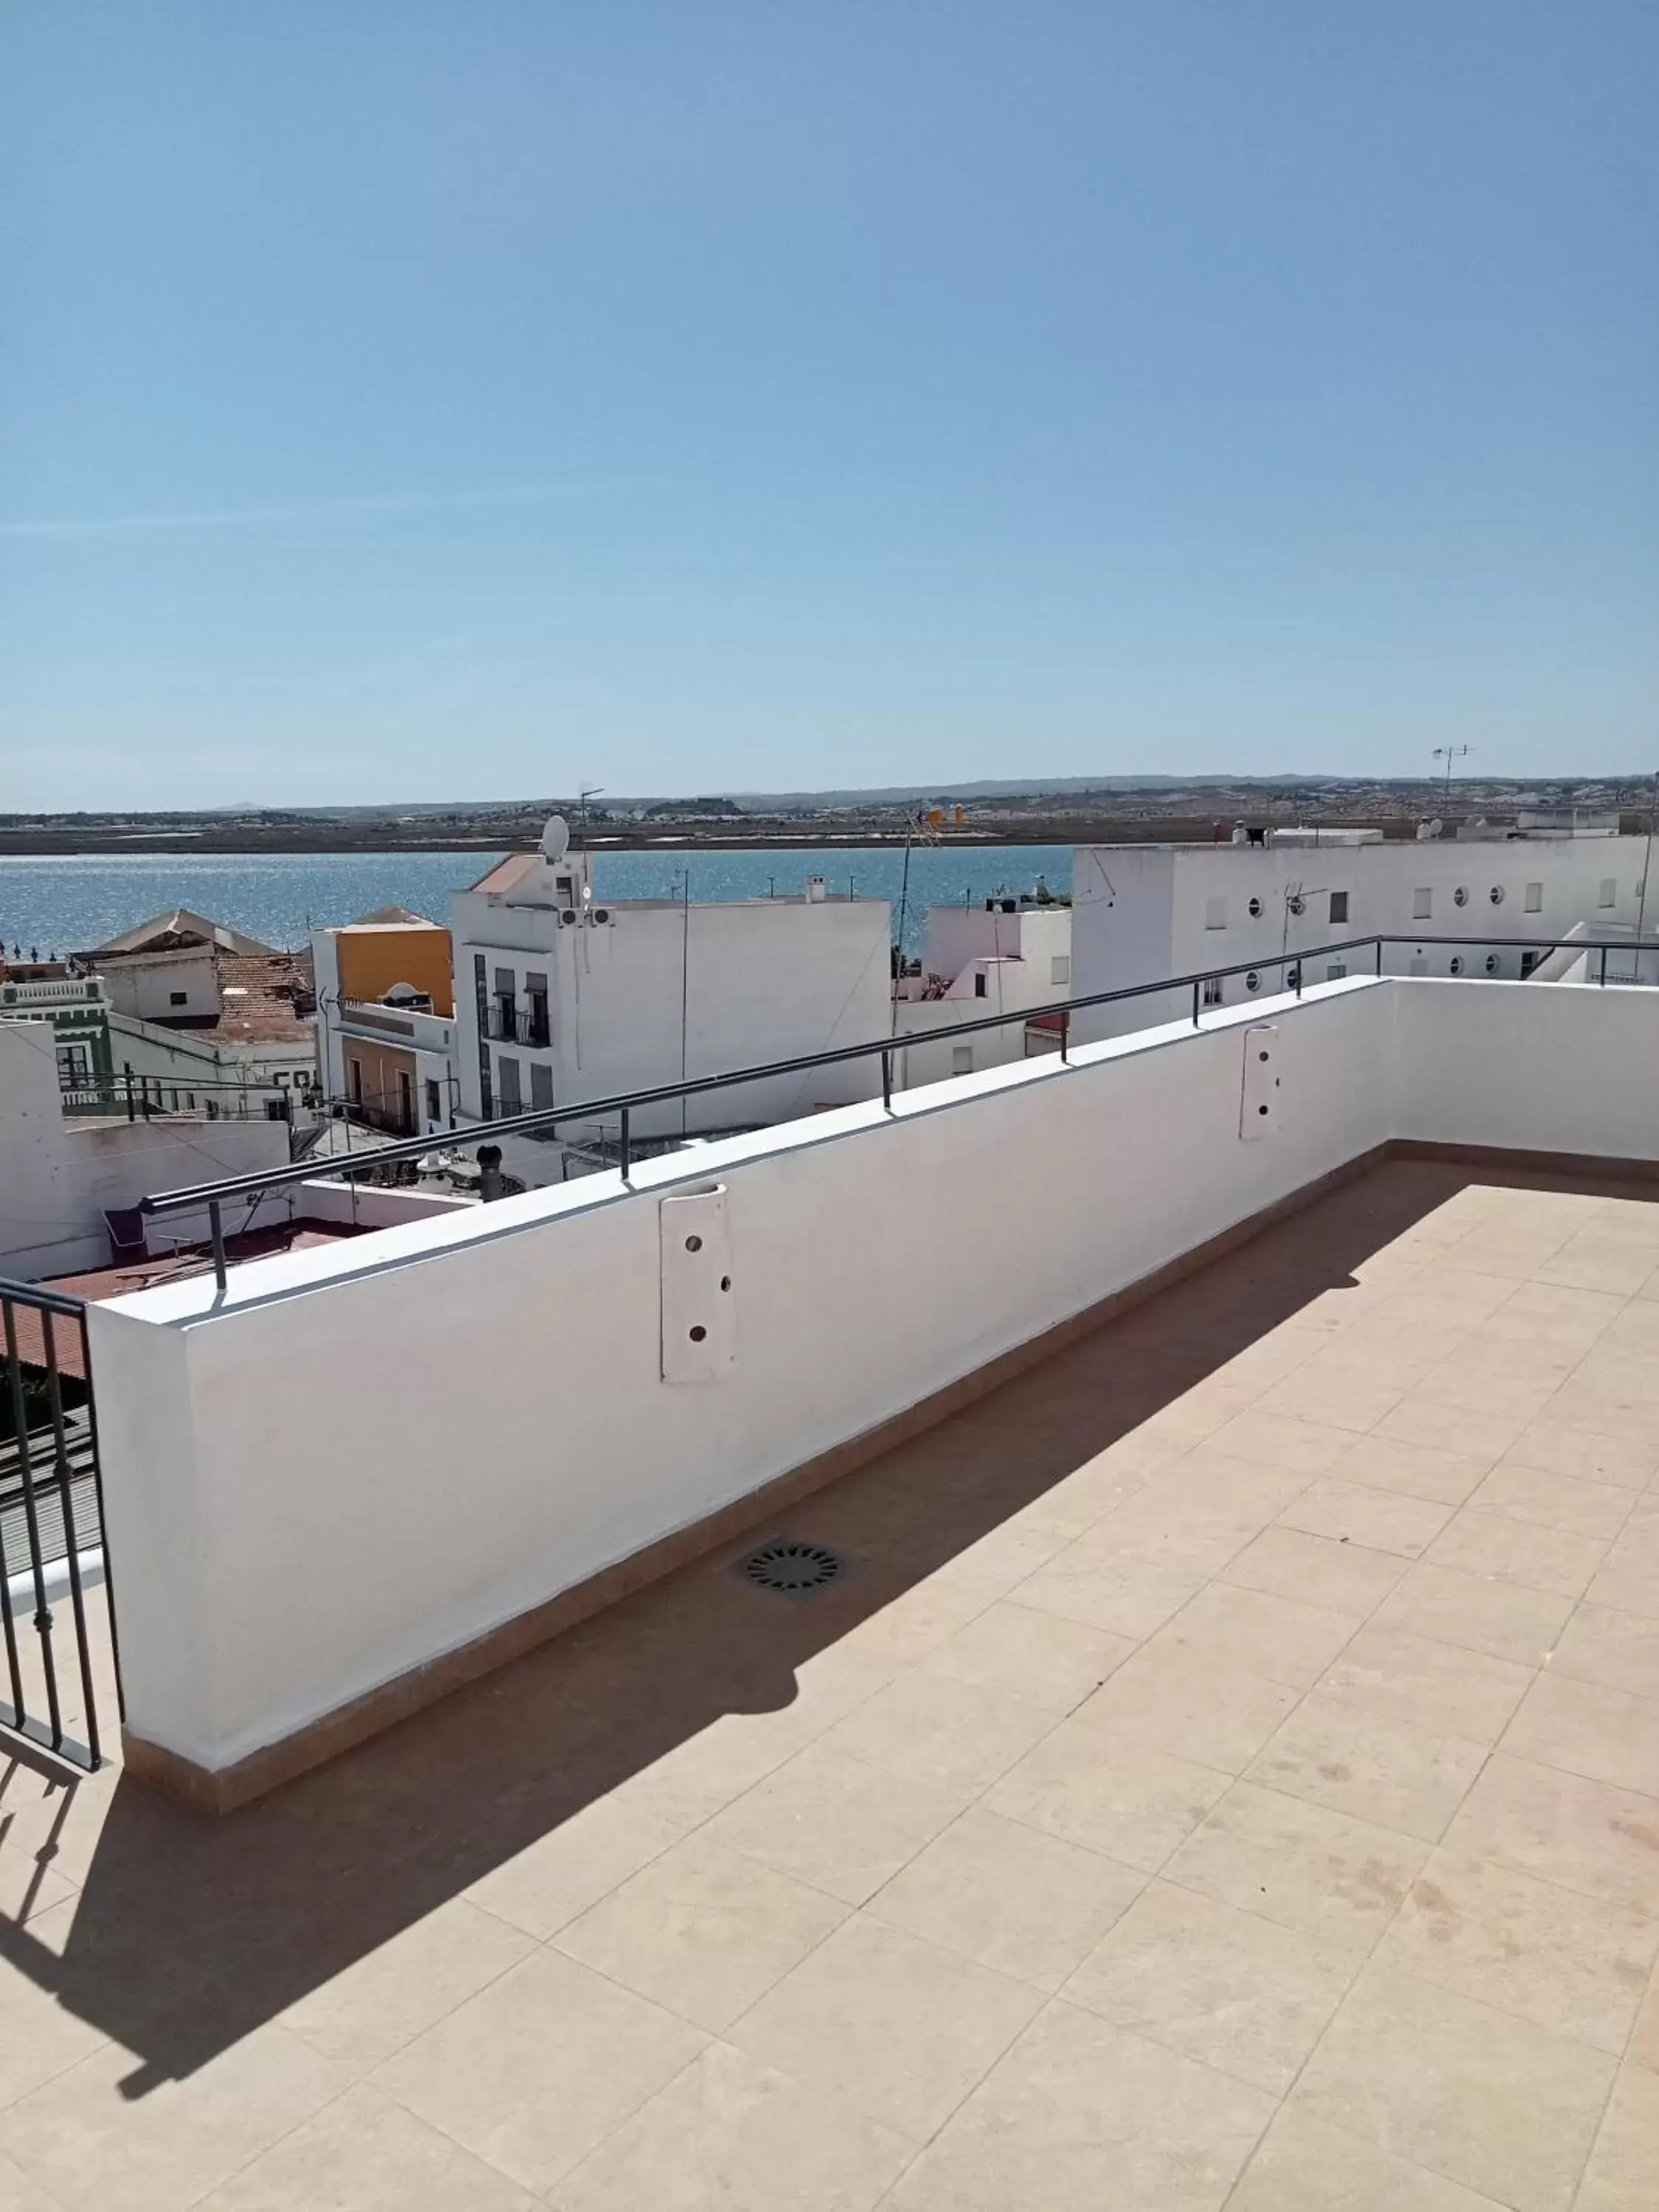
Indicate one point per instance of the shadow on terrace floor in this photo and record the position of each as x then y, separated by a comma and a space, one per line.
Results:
186, 1935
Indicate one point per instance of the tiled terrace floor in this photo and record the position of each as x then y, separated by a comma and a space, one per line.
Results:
1229, 1775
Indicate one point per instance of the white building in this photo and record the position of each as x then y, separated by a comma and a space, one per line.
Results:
561, 995
204, 1014
62, 1175
1007, 955
1143, 912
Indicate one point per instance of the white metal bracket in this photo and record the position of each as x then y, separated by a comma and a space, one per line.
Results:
699, 1304
1258, 1111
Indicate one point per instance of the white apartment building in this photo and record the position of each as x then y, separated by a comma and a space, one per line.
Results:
561, 995
1142, 912
1009, 956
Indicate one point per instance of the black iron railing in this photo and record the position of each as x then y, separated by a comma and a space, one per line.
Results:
1287, 966
52, 1516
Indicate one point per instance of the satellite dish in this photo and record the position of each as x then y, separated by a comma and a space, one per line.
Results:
555, 838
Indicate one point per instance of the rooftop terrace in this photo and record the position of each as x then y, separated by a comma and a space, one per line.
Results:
1225, 1774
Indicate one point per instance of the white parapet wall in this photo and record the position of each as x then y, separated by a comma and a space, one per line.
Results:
357, 1459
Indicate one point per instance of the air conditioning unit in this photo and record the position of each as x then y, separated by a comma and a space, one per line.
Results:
568, 916
601, 913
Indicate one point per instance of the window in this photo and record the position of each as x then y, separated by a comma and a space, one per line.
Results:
1335, 970
178, 998
356, 1083
1609, 893
535, 989
979, 982
962, 1059
1457, 964
1492, 963
1535, 899
1255, 909
1215, 913
541, 1086
1211, 990
1422, 903
1059, 968
72, 1068
1461, 895
1528, 961
1252, 982
1338, 906
405, 1103
507, 1085
433, 1101
1496, 894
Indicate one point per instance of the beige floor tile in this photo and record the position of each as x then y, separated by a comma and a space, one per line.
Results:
1483, 1433
1128, 1597
27, 1887
1480, 1543
1109, 1794
573, 1866
1587, 1728
1172, 1527
1021, 1652
1602, 1406
1225, 1628
702, 1930
1081, 2117
1552, 1443
84, 2140
918, 1621
1349, 1759
1323, 1873
949, 1735
898, 2028
391, 1994
534, 2072
836, 1823
1644, 2036
1005, 1555
1014, 1898
732, 2135
1565, 1502
1414, 1470
1283, 1441
1303, 2165
1504, 1619
1627, 1584
1341, 1398
1588, 1836
1598, 1264
1285, 1562
1238, 1992
1623, 2166
19, 2194
1430, 1686
1545, 1954
1171, 1701
1505, 2108
1503, 1380
366, 2153
1381, 1520
1621, 1649
40, 2036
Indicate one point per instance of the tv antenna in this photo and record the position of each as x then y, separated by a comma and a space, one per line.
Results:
1448, 754
594, 791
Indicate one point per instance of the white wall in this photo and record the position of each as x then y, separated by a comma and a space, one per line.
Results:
1141, 912
874, 1259
159, 986
57, 1178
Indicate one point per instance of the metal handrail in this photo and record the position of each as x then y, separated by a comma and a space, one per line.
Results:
625, 1103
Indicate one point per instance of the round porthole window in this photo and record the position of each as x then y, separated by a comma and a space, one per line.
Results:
1496, 894
1252, 982
1255, 909
1457, 964
1292, 978
1461, 895
1492, 963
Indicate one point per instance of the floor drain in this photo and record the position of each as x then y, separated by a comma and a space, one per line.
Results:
794, 1567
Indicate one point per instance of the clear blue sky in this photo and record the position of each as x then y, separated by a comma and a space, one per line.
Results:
429, 399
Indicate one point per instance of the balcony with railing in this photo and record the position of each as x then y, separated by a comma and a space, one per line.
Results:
1086, 1633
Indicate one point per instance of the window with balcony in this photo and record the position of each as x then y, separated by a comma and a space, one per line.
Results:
507, 1090
534, 1029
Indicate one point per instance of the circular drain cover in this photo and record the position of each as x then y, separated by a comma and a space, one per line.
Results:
789, 1564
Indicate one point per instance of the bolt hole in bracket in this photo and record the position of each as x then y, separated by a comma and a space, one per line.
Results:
699, 1308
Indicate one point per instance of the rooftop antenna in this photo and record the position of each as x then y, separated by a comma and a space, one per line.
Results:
592, 791
1448, 754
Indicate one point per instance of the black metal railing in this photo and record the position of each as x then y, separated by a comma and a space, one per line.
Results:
1287, 966
51, 1519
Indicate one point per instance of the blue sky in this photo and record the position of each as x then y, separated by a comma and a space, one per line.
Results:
416, 401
